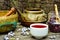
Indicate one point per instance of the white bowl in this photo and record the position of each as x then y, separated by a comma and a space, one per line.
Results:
39, 32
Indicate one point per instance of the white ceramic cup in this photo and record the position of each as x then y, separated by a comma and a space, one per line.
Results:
39, 32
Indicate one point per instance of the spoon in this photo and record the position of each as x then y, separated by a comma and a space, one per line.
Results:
57, 15
11, 11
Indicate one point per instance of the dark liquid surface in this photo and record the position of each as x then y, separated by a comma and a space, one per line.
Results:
39, 26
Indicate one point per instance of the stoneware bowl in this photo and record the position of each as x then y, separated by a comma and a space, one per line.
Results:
39, 30
8, 23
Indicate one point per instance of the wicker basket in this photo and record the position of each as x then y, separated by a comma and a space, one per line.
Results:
7, 23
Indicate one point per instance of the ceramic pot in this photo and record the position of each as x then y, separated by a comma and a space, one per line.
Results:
33, 15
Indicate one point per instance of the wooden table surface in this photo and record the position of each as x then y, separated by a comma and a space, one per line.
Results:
29, 37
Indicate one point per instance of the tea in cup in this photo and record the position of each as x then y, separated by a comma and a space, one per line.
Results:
39, 30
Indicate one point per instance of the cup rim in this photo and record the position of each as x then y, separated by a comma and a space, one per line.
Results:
38, 24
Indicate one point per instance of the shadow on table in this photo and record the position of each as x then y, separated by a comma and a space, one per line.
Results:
39, 39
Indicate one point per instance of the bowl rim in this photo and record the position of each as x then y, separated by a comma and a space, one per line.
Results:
38, 24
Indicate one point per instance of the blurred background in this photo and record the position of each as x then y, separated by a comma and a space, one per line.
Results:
47, 5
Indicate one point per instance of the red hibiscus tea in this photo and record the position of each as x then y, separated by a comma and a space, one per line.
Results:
39, 26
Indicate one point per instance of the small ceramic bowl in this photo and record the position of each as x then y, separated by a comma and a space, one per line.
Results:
39, 30
54, 27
